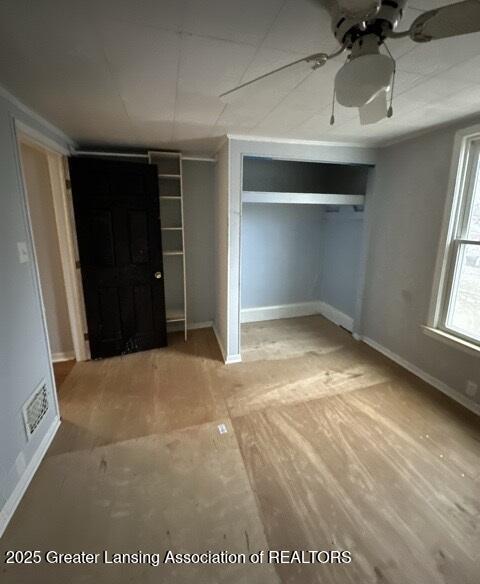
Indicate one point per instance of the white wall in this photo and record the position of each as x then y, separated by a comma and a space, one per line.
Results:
407, 210
222, 249
199, 216
40, 201
24, 357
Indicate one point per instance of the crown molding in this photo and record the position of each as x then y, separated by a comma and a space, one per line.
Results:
59, 134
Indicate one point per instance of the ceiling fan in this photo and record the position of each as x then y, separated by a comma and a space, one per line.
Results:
362, 28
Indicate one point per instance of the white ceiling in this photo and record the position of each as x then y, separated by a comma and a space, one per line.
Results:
149, 72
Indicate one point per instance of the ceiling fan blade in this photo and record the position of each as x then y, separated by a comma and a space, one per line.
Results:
447, 21
286, 77
375, 110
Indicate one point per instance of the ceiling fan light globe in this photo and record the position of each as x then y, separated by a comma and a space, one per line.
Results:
360, 80
375, 110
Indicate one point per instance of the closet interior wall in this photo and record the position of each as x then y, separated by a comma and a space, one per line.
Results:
301, 259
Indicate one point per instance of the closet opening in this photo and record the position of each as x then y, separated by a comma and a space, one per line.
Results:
302, 252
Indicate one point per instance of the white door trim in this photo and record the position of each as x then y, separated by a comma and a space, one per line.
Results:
67, 236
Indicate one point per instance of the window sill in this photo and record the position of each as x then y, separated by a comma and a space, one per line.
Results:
452, 340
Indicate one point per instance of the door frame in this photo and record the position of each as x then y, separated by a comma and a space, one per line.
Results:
57, 159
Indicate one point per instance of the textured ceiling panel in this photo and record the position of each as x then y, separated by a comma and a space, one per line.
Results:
149, 72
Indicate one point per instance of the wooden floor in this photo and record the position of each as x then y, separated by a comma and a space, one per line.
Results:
328, 446
61, 369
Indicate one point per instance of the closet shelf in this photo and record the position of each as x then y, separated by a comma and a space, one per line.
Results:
302, 198
170, 185
175, 315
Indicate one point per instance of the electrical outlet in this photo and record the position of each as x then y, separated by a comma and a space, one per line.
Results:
222, 429
22, 252
471, 389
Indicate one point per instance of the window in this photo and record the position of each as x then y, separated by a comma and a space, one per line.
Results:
456, 304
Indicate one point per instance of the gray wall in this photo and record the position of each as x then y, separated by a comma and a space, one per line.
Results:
199, 193
24, 358
300, 253
407, 211
342, 241
42, 214
281, 254
284, 176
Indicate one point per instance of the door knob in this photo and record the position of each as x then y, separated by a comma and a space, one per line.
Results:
158, 275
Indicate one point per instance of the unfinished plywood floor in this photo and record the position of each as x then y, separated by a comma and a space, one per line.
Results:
329, 446
61, 370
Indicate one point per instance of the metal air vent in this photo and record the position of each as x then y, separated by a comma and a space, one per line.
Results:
35, 409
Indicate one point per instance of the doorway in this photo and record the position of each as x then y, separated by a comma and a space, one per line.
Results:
36, 165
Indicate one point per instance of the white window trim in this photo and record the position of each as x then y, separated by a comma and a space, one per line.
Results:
444, 268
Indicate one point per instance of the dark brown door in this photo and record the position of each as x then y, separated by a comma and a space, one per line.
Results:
117, 217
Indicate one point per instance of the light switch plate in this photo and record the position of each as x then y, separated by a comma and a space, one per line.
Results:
22, 252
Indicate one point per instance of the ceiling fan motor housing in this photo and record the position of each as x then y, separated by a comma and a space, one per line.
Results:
382, 18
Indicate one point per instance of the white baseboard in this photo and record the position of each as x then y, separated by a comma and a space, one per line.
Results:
191, 326
13, 501
227, 359
295, 310
200, 325
67, 356
433, 381
280, 311
335, 315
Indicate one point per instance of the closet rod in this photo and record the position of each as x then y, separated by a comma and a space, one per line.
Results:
118, 154
199, 158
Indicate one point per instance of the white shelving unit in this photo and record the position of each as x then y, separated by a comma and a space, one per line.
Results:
170, 184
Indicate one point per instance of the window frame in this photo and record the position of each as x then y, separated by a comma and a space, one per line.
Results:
464, 171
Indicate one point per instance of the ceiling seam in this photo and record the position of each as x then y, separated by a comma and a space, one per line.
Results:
259, 47
110, 69
288, 95
179, 61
